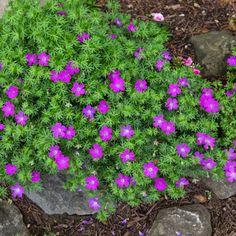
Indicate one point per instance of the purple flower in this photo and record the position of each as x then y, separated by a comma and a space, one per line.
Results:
158, 120
54, 151
231, 60
141, 85
2, 126
127, 155
62, 162
230, 166
63, 13
1, 66
150, 170
208, 164
43, 59
181, 182
70, 133
133, 181
105, 133
159, 65
114, 75
83, 37
183, 82
35, 176
94, 204
211, 105
10, 169
183, 149
199, 155
92, 182
54, 76
172, 104
64, 76
89, 111
17, 191
96, 151
229, 93
167, 127
8, 109
124, 222
21, 118
166, 56
160, 184
231, 176
118, 22
31, 59
231, 154
117, 85
201, 138
112, 36
103, 107
70, 69
209, 142
122, 181
174, 90
58, 130
140, 233
131, 27
78, 89
12, 92
127, 131
137, 53
234, 142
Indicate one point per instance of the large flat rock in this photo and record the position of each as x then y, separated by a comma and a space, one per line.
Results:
11, 221
191, 220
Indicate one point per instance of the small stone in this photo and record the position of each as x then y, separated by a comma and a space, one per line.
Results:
196, 5
191, 220
11, 221
200, 198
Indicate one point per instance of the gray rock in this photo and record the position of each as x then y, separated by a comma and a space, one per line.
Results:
11, 221
191, 220
221, 188
54, 199
212, 50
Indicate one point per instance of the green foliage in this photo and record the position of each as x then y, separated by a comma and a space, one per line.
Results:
27, 27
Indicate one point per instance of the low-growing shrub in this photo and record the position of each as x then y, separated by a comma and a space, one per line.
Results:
96, 94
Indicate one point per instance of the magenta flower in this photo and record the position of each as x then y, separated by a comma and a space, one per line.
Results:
10, 169
8, 109
64, 76
118, 22
234, 142
211, 105
131, 27
199, 155
92, 182
127, 155
201, 138
54, 151
70, 133
94, 204
150, 170
159, 65
141, 85
44, 59
117, 85
96, 151
183, 82
158, 120
17, 191
166, 56
172, 104
58, 130
70, 69
2, 126
63, 162
63, 13
231, 176
231, 154
31, 59
231, 60
114, 75
208, 164
21, 118
83, 37
105, 133
89, 112
160, 184
174, 90
103, 107
54, 76
181, 182
196, 71
127, 131
168, 127
183, 149
209, 142
12, 92
78, 89
122, 181
35, 176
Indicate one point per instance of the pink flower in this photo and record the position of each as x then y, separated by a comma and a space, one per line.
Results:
141, 85
103, 107
188, 61
167, 127
196, 71
12, 92
96, 151
127, 131
43, 59
64, 76
70, 133
172, 104
105, 133
10, 169
21, 118
62, 162
31, 59
122, 181
150, 170
8, 109
160, 184
127, 155
92, 182
35, 176
174, 90
117, 85
54, 151
54, 76
157, 17
58, 130
17, 191
131, 27
94, 204
2, 126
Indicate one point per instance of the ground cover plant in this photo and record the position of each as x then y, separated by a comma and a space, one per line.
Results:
97, 95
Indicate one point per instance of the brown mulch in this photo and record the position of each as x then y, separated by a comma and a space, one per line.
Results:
184, 18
